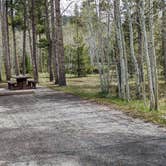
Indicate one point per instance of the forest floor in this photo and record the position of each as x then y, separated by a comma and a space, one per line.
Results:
52, 128
89, 88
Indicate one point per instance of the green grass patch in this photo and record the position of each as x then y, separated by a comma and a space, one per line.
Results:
3, 85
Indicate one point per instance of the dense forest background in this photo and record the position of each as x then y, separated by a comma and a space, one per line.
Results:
123, 42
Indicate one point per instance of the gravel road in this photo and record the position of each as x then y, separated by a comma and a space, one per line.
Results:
51, 128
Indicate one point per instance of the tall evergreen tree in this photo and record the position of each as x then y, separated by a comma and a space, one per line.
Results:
16, 63
5, 38
59, 44
163, 7
48, 36
34, 53
25, 19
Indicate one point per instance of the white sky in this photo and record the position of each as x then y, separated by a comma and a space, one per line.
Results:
65, 3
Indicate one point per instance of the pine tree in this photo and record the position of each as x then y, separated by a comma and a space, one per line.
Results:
5, 38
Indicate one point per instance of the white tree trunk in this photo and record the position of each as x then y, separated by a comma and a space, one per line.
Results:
124, 88
99, 44
132, 52
151, 90
153, 54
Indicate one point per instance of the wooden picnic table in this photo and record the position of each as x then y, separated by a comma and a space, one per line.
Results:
21, 81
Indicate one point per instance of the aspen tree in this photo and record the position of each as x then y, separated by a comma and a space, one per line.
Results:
148, 62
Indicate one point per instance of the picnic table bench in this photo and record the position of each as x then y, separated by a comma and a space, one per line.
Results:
32, 84
12, 85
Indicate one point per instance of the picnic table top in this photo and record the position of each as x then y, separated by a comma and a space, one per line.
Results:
21, 77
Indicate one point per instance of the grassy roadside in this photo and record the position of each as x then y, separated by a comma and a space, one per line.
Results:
3, 85
89, 88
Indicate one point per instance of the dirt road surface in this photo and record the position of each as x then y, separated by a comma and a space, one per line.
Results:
51, 128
